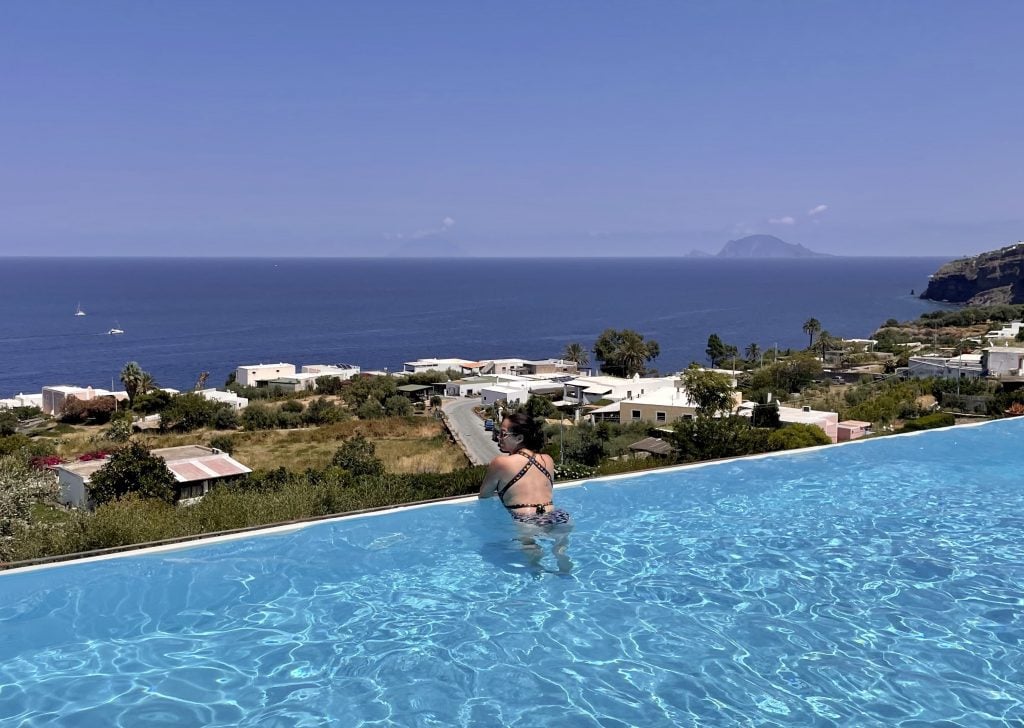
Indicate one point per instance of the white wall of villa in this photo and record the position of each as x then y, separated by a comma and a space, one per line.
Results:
965, 366
1009, 331
470, 386
52, 399
588, 390
463, 366
659, 407
512, 394
255, 375
22, 400
295, 382
229, 398
338, 371
1003, 361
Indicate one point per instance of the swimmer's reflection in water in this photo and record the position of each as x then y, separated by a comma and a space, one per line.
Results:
522, 478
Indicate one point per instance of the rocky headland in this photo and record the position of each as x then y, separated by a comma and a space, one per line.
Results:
991, 278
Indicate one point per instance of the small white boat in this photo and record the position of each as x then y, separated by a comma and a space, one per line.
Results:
79, 311
116, 330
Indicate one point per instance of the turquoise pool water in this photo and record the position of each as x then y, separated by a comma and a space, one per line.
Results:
880, 583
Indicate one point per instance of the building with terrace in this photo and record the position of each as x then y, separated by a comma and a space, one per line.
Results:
259, 375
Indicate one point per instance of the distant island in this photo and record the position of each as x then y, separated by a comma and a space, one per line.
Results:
760, 246
995, 277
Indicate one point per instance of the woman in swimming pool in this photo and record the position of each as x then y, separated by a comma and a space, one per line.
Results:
523, 480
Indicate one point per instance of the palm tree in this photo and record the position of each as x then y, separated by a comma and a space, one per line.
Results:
146, 383
634, 353
131, 378
752, 352
825, 341
811, 327
575, 352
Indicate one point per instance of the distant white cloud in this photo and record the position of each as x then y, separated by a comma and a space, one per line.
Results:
446, 224
817, 210
785, 220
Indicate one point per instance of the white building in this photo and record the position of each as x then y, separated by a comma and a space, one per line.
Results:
196, 469
966, 366
463, 366
338, 371
257, 375
1004, 361
22, 400
53, 399
305, 382
588, 390
827, 422
1009, 331
470, 386
510, 393
229, 398
512, 366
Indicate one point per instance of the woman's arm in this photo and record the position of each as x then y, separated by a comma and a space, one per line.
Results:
493, 478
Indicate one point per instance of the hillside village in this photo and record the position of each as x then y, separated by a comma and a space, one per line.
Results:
297, 420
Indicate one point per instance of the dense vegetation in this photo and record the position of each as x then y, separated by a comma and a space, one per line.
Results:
264, 498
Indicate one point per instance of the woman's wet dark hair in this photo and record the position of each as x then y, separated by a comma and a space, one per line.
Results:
531, 429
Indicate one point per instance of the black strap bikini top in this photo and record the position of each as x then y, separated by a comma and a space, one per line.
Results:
531, 461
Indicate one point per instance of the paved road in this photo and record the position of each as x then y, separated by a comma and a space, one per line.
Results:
469, 430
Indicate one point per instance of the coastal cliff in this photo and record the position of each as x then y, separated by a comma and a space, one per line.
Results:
990, 278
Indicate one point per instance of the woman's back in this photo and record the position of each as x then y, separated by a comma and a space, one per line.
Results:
530, 481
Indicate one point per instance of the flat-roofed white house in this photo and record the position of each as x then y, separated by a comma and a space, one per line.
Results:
966, 366
512, 393
196, 469
1004, 361
22, 400
229, 398
463, 366
827, 421
338, 371
257, 375
470, 386
54, 398
295, 382
660, 407
1009, 331
663, 406
588, 390
509, 366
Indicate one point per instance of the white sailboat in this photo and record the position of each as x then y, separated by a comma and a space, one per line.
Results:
116, 330
78, 310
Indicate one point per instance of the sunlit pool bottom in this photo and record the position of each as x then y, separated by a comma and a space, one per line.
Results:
880, 583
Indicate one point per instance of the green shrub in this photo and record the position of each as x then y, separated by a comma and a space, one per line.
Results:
224, 443
928, 422
797, 435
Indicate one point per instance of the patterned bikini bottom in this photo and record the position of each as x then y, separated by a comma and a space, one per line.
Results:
556, 517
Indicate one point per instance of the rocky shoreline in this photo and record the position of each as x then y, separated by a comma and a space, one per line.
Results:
995, 277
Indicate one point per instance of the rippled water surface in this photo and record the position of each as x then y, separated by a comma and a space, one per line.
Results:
874, 584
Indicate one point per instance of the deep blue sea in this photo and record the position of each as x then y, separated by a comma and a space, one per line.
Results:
184, 316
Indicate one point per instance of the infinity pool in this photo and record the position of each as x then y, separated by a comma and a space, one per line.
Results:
879, 583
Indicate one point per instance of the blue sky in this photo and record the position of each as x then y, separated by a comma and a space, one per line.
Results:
525, 128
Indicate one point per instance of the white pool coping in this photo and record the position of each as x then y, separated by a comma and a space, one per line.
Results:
458, 500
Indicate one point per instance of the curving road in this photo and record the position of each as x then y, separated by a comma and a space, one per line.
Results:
469, 430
